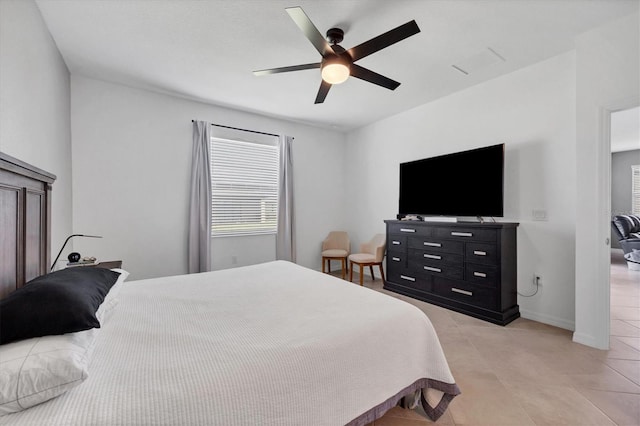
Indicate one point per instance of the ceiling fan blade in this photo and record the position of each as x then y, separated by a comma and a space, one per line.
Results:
367, 75
322, 92
310, 31
384, 40
287, 69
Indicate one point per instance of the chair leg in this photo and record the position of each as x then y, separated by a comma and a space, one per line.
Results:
381, 272
360, 264
351, 273
342, 263
329, 265
371, 270
323, 260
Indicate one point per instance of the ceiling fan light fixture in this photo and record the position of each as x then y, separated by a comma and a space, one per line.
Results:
335, 70
335, 73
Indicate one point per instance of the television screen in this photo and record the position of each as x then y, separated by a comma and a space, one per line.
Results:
467, 183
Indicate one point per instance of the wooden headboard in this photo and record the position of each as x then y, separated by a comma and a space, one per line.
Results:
25, 222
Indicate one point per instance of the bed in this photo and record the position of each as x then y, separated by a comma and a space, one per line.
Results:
268, 344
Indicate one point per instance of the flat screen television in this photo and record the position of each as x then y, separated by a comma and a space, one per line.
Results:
466, 183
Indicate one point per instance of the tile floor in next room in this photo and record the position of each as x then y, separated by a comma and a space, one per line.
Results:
529, 373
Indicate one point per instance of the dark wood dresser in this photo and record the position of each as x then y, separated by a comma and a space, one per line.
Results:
468, 267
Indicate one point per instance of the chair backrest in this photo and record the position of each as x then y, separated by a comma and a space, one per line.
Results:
337, 240
376, 246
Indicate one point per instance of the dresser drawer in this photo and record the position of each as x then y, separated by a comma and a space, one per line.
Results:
481, 253
467, 293
436, 245
396, 259
416, 255
408, 228
410, 279
396, 242
467, 234
481, 274
437, 268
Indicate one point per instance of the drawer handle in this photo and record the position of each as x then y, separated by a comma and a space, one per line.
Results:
395, 259
479, 253
462, 234
465, 292
429, 268
395, 243
426, 243
433, 256
480, 274
407, 230
404, 277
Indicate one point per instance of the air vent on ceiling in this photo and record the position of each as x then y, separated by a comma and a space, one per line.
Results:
478, 61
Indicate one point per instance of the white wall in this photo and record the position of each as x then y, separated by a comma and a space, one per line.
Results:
532, 111
131, 164
34, 104
608, 70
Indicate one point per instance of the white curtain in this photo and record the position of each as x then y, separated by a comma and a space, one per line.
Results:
200, 204
286, 238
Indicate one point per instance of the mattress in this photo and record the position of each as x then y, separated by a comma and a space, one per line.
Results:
268, 344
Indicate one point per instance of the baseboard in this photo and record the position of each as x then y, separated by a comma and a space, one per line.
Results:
547, 319
585, 339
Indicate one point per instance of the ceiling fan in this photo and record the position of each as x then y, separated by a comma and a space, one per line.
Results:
337, 63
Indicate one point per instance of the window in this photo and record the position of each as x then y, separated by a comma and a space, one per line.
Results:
635, 189
244, 188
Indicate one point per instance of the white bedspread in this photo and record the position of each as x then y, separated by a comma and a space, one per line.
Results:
270, 344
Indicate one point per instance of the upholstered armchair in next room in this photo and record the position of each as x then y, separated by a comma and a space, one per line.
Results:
626, 228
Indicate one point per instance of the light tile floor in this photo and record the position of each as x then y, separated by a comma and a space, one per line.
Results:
529, 373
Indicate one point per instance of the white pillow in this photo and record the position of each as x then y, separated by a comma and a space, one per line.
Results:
38, 369
111, 299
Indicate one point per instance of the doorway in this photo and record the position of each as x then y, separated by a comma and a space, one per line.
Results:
623, 282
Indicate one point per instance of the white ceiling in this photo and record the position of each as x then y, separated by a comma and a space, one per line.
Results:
206, 50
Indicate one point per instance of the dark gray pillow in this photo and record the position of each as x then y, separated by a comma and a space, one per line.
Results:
60, 302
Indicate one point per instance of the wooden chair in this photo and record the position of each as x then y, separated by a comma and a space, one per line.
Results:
371, 253
336, 247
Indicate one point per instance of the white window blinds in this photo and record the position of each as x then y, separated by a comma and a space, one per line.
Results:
635, 189
244, 188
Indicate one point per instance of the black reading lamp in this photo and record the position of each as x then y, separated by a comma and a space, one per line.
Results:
65, 243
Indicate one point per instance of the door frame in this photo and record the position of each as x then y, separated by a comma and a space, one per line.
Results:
603, 290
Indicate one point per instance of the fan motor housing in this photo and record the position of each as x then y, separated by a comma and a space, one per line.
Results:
335, 35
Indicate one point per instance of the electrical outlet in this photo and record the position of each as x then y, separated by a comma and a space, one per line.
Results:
234, 260
539, 214
537, 280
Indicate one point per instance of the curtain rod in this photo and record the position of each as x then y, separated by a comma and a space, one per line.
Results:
242, 130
